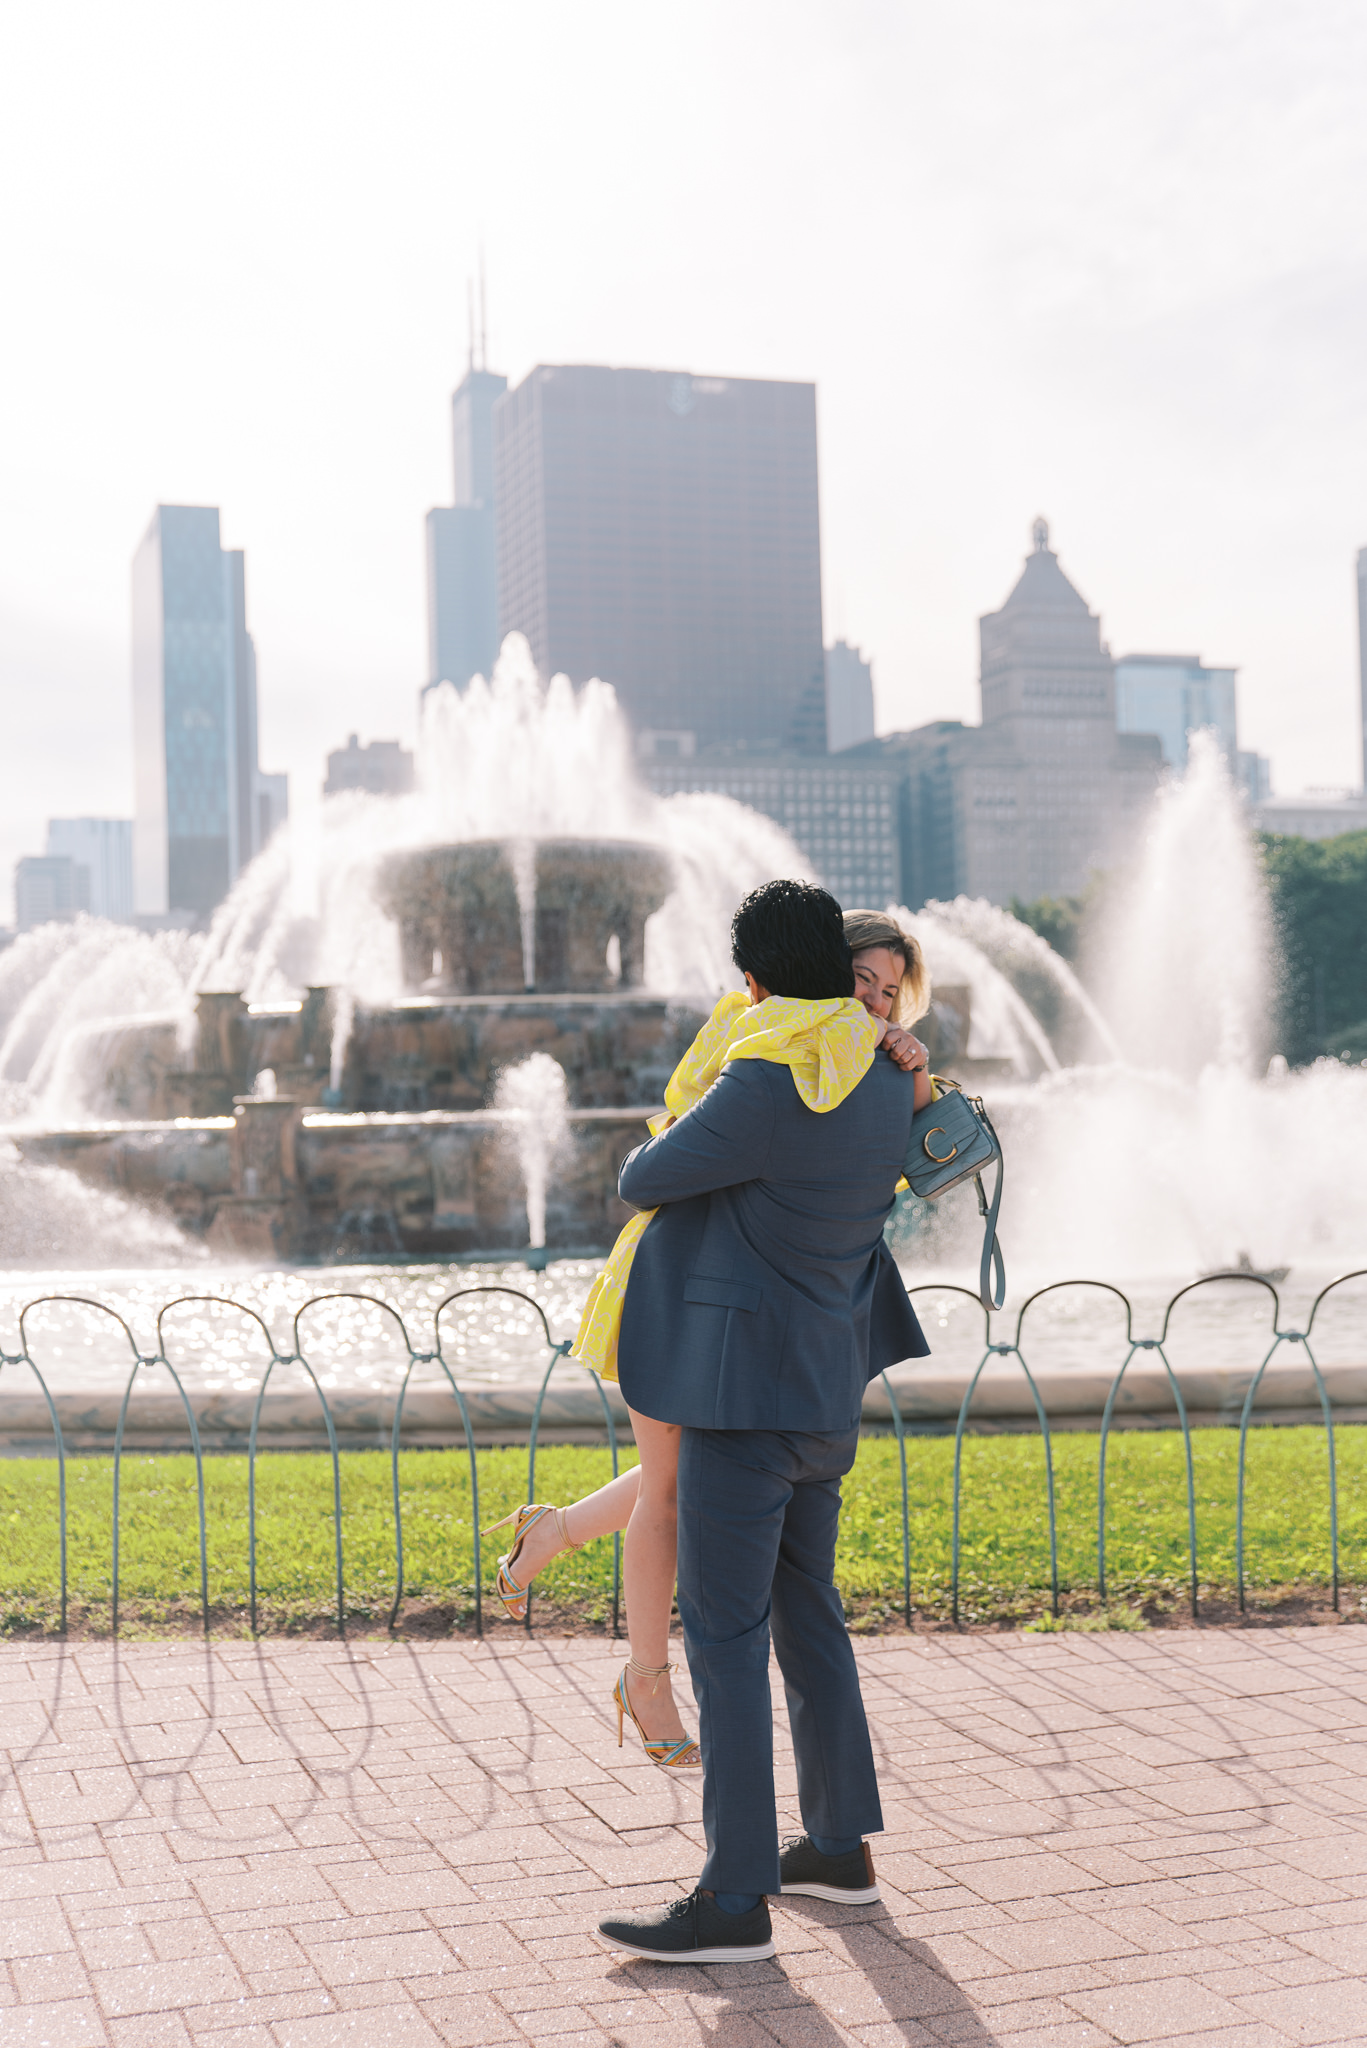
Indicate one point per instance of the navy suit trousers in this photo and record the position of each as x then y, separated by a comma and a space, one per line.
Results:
758, 1512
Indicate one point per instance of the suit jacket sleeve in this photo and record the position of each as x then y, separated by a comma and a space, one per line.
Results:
722, 1141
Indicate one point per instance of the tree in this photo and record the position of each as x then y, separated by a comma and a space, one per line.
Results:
1064, 921
1318, 889
1056, 918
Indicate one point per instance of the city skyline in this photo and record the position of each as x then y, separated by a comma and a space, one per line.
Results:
195, 711
1049, 788
1067, 262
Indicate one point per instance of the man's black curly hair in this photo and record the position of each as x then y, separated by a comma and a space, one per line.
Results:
791, 937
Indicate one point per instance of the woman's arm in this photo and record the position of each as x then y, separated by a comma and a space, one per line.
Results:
912, 1057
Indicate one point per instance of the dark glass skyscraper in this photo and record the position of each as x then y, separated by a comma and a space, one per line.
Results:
202, 807
662, 531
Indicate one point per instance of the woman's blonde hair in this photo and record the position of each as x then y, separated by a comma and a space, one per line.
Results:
865, 929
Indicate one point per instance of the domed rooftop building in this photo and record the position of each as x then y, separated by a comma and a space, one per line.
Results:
1045, 791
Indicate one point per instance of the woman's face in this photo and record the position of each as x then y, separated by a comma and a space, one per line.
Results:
877, 978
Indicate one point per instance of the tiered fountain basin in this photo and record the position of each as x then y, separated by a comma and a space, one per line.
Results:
416, 1184
381, 1141
418, 1053
492, 916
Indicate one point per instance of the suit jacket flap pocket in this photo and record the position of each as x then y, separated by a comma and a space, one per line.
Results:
722, 1293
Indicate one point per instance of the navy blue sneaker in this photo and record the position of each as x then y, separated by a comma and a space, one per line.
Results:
849, 1879
693, 1930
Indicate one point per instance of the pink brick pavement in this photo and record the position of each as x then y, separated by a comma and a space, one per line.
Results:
1091, 1839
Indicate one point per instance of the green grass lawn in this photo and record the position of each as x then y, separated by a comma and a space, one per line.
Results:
1005, 1541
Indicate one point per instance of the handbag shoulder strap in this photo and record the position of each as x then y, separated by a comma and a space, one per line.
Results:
992, 1265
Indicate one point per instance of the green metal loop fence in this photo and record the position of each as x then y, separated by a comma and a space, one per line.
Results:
412, 1356
1301, 1337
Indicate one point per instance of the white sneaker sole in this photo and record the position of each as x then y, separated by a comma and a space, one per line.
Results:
839, 1895
757, 1952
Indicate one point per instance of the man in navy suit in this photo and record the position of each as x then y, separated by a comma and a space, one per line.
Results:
762, 1300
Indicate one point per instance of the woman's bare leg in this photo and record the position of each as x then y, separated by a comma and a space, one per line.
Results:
649, 1562
597, 1514
644, 1503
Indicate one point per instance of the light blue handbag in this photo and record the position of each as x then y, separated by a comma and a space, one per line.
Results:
952, 1141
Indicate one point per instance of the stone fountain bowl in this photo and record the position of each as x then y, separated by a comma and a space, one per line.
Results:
461, 920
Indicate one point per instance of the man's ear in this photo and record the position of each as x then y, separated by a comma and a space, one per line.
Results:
757, 994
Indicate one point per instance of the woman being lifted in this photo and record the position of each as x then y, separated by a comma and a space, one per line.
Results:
828, 1045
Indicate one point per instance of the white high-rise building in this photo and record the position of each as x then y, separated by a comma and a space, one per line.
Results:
849, 698
462, 562
1175, 695
103, 847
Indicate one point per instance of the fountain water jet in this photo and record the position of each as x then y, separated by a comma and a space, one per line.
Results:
66, 993
534, 1098
522, 860
1186, 962
1183, 1153
49, 1219
1055, 999
1003, 1029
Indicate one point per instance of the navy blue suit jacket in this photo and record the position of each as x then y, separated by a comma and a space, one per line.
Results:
762, 1295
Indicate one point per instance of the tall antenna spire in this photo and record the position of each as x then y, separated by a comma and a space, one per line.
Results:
470, 309
483, 315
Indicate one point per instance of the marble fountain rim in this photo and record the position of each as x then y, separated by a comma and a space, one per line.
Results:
501, 1411
315, 1119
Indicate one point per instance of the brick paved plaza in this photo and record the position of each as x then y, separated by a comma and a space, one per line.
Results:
290, 1845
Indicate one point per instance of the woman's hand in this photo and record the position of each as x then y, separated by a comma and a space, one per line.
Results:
912, 1057
908, 1052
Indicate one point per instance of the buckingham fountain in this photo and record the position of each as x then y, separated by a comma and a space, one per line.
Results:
485, 1106
431, 1026
446, 1050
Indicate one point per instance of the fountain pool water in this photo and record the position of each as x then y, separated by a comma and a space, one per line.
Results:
356, 1346
497, 1340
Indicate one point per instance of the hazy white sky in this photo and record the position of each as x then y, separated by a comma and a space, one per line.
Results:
1103, 261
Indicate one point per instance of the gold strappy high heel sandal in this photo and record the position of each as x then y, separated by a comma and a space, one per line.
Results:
524, 1518
670, 1756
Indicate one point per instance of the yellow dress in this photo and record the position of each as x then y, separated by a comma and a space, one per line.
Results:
829, 1046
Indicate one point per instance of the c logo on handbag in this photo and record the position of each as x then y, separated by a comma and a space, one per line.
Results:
939, 1158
